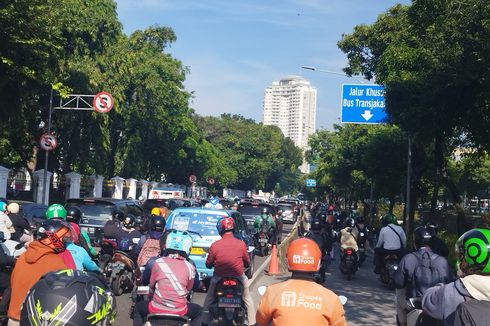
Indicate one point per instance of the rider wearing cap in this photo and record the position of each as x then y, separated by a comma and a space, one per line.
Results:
473, 252
229, 256
300, 300
171, 279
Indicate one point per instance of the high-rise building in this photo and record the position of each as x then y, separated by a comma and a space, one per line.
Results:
290, 104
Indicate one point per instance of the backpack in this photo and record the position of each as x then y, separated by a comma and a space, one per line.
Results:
424, 276
151, 248
472, 312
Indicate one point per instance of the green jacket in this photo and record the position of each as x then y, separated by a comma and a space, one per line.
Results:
91, 250
259, 220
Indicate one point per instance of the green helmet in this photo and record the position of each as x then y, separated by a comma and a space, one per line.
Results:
56, 211
473, 252
389, 218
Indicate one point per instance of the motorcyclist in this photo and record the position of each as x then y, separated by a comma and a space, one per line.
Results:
317, 234
473, 253
347, 238
229, 257
69, 297
74, 214
129, 225
5, 261
279, 225
404, 277
391, 241
82, 259
58, 212
169, 297
264, 220
40, 257
280, 305
150, 244
21, 225
438, 246
113, 228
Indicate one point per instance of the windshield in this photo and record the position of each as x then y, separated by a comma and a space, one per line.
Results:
203, 224
284, 208
253, 210
99, 211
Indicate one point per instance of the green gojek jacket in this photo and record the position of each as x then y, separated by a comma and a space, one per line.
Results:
259, 220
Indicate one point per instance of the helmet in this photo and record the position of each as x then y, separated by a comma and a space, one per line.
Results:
118, 215
304, 255
54, 233
422, 236
56, 211
179, 241
263, 210
155, 211
74, 214
316, 223
13, 208
129, 221
225, 224
354, 215
69, 297
473, 252
157, 223
388, 218
349, 222
3, 206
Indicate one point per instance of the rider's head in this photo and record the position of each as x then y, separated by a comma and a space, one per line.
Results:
13, 208
263, 211
422, 236
316, 223
304, 255
129, 222
74, 214
157, 223
225, 224
69, 297
54, 233
349, 222
388, 218
155, 211
473, 252
56, 211
178, 242
118, 216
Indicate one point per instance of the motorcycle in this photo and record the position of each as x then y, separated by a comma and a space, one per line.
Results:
120, 268
228, 307
390, 265
262, 239
348, 262
361, 243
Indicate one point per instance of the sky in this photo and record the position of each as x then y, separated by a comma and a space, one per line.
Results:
236, 48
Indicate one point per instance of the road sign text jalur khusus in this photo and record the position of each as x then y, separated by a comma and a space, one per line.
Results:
363, 104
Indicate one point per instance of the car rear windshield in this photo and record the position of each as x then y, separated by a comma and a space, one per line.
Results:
101, 211
203, 224
284, 207
250, 209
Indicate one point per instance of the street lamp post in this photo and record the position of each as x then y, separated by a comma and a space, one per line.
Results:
331, 72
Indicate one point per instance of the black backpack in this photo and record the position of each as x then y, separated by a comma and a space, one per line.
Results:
424, 276
472, 312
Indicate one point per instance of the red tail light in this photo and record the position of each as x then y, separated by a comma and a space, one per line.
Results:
349, 251
229, 283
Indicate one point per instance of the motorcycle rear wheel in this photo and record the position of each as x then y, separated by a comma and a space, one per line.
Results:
117, 286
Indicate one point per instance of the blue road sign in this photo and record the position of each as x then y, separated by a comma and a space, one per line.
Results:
363, 103
310, 182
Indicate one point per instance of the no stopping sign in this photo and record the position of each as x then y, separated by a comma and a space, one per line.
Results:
48, 142
103, 102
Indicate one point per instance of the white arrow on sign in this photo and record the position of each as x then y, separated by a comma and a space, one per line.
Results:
367, 115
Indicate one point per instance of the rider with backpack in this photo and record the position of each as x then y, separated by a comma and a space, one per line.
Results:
465, 301
419, 271
150, 244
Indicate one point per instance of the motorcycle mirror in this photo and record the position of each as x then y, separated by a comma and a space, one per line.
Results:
19, 246
343, 299
262, 289
136, 240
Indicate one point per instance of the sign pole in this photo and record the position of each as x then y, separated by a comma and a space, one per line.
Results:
409, 176
46, 157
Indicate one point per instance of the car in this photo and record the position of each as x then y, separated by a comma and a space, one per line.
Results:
201, 225
34, 213
288, 213
97, 211
170, 203
250, 210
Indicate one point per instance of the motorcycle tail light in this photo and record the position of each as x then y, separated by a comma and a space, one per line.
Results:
349, 251
229, 283
229, 295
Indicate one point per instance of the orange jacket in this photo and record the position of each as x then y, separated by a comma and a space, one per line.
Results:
300, 302
30, 266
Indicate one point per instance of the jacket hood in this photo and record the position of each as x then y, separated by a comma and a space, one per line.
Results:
478, 286
36, 250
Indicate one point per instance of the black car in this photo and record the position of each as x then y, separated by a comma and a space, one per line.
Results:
97, 211
170, 203
34, 213
250, 210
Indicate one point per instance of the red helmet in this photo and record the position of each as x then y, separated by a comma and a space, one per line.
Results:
304, 255
226, 224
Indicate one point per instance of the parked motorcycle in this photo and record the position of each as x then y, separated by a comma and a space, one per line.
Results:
390, 265
228, 307
348, 262
120, 268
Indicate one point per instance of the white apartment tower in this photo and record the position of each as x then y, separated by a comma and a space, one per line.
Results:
290, 104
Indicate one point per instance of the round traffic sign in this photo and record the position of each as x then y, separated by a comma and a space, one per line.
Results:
48, 142
103, 102
192, 178
211, 181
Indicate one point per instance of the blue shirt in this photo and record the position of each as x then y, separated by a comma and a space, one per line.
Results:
82, 258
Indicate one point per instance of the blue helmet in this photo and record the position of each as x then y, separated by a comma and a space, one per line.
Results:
179, 241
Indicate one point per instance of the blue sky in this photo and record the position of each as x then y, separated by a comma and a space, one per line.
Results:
235, 49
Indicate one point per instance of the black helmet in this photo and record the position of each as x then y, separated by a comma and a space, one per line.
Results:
130, 221
118, 215
422, 236
263, 210
157, 223
473, 252
74, 214
349, 222
54, 233
69, 297
316, 223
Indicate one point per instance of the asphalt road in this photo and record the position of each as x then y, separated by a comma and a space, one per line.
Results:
124, 301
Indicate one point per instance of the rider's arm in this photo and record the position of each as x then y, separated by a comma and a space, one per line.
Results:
433, 301
88, 263
264, 311
145, 278
245, 256
211, 257
257, 222
86, 240
381, 238
338, 314
272, 223
401, 273
404, 239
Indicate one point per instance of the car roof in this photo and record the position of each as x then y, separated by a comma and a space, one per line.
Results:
202, 210
107, 200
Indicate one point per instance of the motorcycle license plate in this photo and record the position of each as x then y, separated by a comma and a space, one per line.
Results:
263, 240
229, 302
